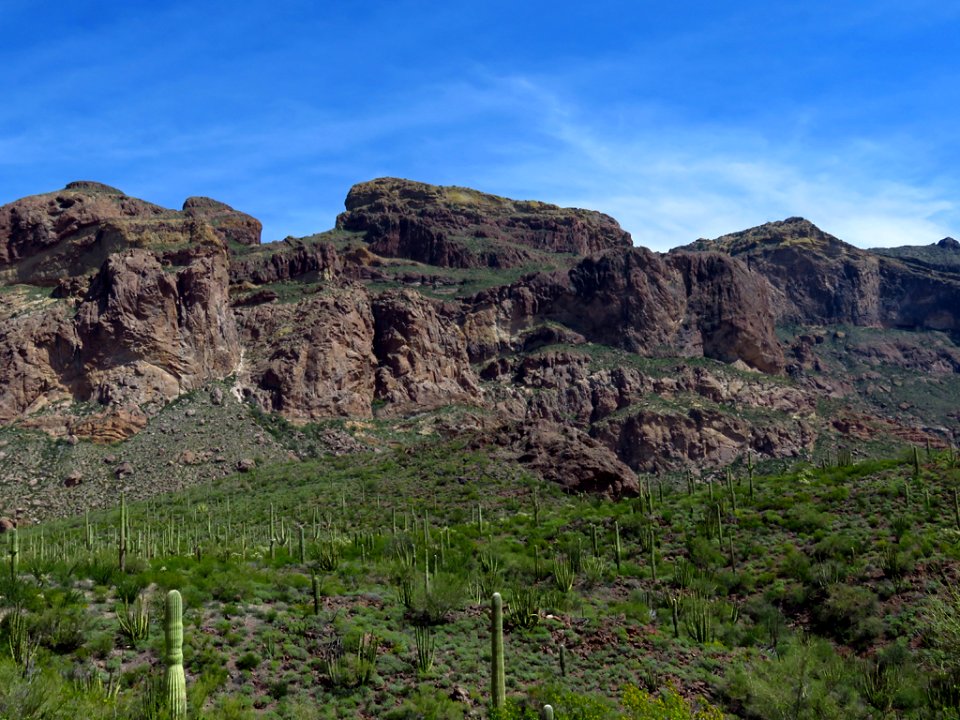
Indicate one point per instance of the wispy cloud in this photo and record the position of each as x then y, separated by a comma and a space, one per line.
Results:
671, 185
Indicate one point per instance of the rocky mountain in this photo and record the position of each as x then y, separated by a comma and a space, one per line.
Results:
942, 256
538, 330
816, 278
460, 227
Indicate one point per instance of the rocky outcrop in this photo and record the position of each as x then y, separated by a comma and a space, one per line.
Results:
39, 359
460, 227
313, 359
679, 304
658, 440
143, 333
590, 364
109, 427
147, 334
566, 456
288, 260
817, 279
72, 232
941, 256
639, 415
230, 225
422, 355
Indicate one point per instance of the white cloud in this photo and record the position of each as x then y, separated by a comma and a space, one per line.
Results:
669, 186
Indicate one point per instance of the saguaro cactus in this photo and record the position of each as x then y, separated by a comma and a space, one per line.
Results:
547, 712
176, 683
498, 690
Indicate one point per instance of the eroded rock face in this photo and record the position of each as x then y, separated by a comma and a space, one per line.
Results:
313, 359
638, 416
230, 225
679, 304
148, 303
143, 332
652, 441
148, 334
72, 232
422, 354
566, 456
459, 227
818, 279
288, 260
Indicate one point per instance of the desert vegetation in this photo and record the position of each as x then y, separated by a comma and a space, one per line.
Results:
365, 586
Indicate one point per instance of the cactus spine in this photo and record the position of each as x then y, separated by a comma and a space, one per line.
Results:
176, 684
498, 690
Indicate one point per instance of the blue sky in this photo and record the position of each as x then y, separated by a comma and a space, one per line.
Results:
682, 120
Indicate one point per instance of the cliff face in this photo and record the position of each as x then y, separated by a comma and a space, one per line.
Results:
460, 227
46, 238
571, 343
816, 278
685, 305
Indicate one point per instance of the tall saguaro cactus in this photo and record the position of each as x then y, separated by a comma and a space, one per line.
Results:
176, 683
498, 689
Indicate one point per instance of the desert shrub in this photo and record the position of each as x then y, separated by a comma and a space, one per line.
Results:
809, 681
427, 704
667, 705
848, 614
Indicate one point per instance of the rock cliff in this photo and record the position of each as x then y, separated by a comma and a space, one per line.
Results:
576, 353
460, 227
816, 278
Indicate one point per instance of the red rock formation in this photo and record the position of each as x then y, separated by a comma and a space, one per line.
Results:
819, 279
147, 334
287, 260
459, 227
678, 304
566, 456
313, 359
229, 225
422, 354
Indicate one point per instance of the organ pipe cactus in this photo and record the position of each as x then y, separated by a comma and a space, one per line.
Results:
497, 676
176, 684
675, 614
956, 509
122, 546
14, 555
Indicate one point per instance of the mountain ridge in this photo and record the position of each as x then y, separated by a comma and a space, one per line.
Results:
424, 298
